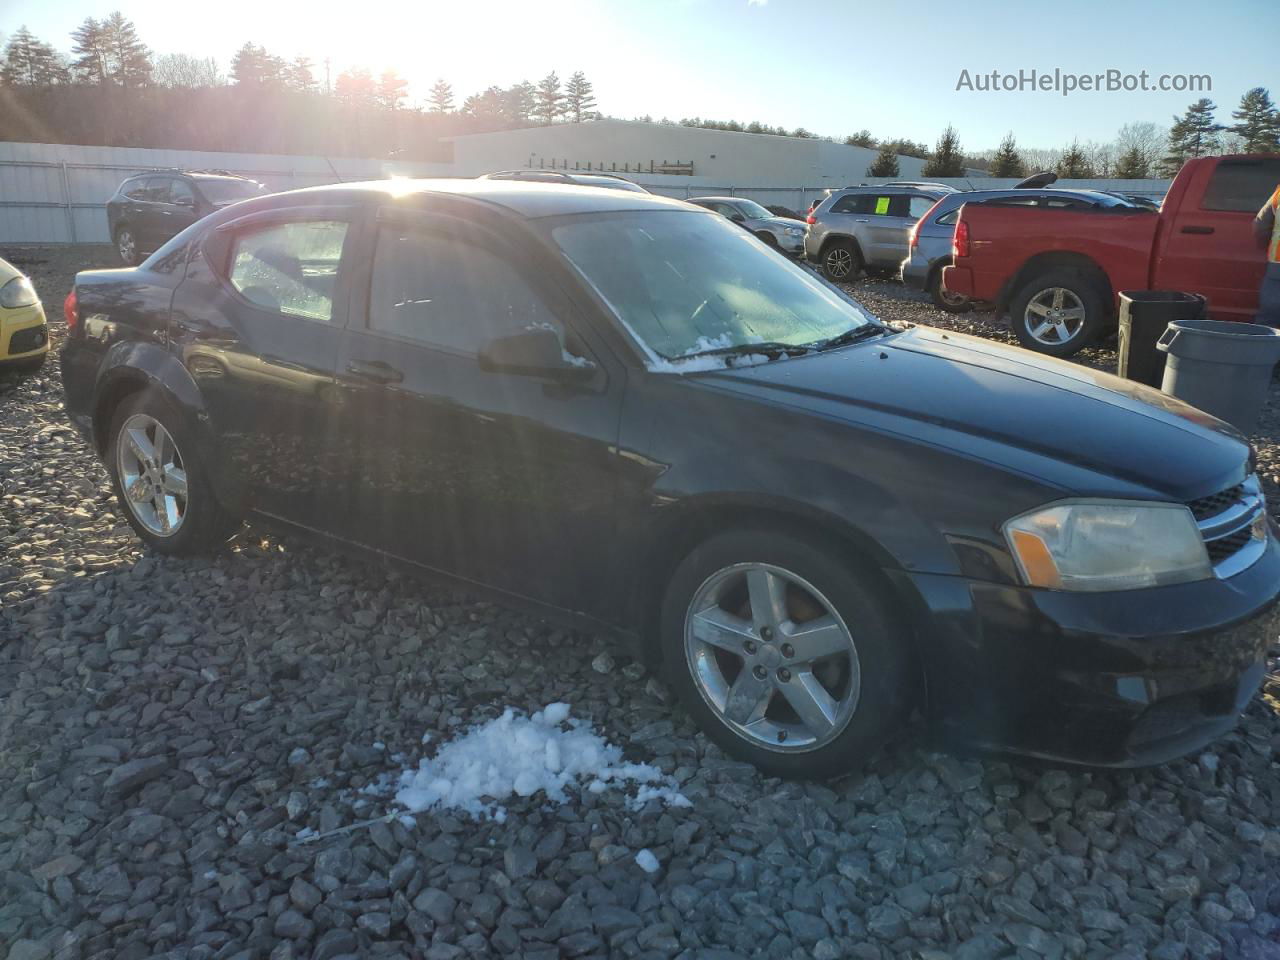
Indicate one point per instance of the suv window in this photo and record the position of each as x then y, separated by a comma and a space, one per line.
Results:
158, 189
1066, 203
136, 189
289, 267
179, 190
862, 203
444, 291
1241, 185
919, 206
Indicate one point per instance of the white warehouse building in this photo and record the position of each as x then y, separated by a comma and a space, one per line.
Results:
671, 155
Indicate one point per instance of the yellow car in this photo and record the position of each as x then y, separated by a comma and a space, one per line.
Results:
24, 335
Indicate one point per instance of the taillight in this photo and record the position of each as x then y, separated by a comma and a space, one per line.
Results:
71, 311
811, 219
960, 240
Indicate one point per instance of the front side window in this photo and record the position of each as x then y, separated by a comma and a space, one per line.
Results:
136, 190
753, 211
444, 291
857, 203
683, 283
180, 191
158, 189
289, 267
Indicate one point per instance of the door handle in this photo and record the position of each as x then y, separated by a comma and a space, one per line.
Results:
374, 371
1197, 229
862, 220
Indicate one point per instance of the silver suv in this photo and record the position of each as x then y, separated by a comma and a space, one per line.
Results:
867, 226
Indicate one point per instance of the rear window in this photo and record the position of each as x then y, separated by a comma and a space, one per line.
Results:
1241, 185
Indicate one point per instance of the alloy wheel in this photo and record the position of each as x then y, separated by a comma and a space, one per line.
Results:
1054, 316
126, 246
772, 657
152, 475
839, 263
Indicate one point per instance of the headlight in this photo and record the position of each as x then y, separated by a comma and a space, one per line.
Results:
18, 292
794, 232
1108, 545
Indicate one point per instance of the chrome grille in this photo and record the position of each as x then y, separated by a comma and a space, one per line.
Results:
1229, 523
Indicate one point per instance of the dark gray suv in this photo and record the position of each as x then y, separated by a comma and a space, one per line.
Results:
149, 208
864, 226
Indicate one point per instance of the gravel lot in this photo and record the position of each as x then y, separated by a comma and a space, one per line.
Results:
168, 728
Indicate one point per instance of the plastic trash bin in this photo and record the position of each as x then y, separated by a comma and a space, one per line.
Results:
1221, 367
1144, 315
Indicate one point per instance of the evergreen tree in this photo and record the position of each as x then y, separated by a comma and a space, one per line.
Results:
299, 75
1194, 134
1257, 122
488, 106
862, 138
29, 62
252, 66
518, 102
391, 90
549, 101
441, 98
580, 99
947, 159
129, 60
1133, 165
1073, 164
1007, 162
89, 44
801, 133
885, 163
356, 88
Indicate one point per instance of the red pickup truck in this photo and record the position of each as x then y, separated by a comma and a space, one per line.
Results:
1056, 273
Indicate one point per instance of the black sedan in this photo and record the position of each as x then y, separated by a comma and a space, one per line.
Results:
631, 414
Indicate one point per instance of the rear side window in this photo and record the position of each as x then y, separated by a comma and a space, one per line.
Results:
863, 203
158, 189
289, 267
1241, 186
444, 291
180, 191
919, 206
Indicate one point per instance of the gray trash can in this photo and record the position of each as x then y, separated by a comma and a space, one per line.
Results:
1221, 367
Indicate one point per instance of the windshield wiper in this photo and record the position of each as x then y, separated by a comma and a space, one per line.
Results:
765, 347
852, 335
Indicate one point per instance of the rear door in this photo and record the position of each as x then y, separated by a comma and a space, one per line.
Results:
180, 211
888, 225
1209, 246
257, 322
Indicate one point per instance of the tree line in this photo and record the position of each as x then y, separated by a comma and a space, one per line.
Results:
110, 88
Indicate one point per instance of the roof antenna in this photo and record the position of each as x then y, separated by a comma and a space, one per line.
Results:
337, 176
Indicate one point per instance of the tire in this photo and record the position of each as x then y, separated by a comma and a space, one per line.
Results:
1065, 290
769, 239
127, 246
867, 690
195, 521
949, 302
841, 261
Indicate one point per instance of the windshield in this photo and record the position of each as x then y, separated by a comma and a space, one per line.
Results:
752, 210
228, 191
686, 283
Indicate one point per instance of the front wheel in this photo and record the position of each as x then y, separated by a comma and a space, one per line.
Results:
784, 654
769, 239
944, 299
1058, 313
160, 479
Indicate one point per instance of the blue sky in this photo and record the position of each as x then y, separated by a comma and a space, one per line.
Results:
831, 66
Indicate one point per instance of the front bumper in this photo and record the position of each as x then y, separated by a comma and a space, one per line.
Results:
1105, 679
24, 335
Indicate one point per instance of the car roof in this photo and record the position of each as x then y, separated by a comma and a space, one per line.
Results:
1079, 193
529, 200
717, 199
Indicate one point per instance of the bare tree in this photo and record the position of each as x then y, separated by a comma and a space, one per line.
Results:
1143, 139
183, 71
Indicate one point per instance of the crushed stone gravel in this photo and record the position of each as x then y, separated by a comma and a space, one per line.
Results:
185, 747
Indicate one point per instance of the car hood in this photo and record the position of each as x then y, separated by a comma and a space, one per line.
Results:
1010, 406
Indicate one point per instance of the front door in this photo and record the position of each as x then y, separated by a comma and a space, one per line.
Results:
503, 479
1210, 247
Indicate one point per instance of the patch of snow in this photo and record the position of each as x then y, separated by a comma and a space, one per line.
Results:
319, 783
426, 738
647, 861
304, 834
517, 755
211, 874
407, 821
379, 745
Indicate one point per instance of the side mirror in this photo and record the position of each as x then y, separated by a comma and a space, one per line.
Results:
536, 352
736, 217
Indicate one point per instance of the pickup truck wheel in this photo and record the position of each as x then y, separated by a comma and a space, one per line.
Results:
841, 261
943, 299
784, 653
1058, 313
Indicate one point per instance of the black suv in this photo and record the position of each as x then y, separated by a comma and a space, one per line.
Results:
147, 209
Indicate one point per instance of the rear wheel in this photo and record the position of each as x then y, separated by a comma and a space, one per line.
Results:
944, 299
784, 655
160, 480
1058, 313
127, 246
841, 261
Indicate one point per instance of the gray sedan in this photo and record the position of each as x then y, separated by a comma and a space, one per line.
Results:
783, 233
